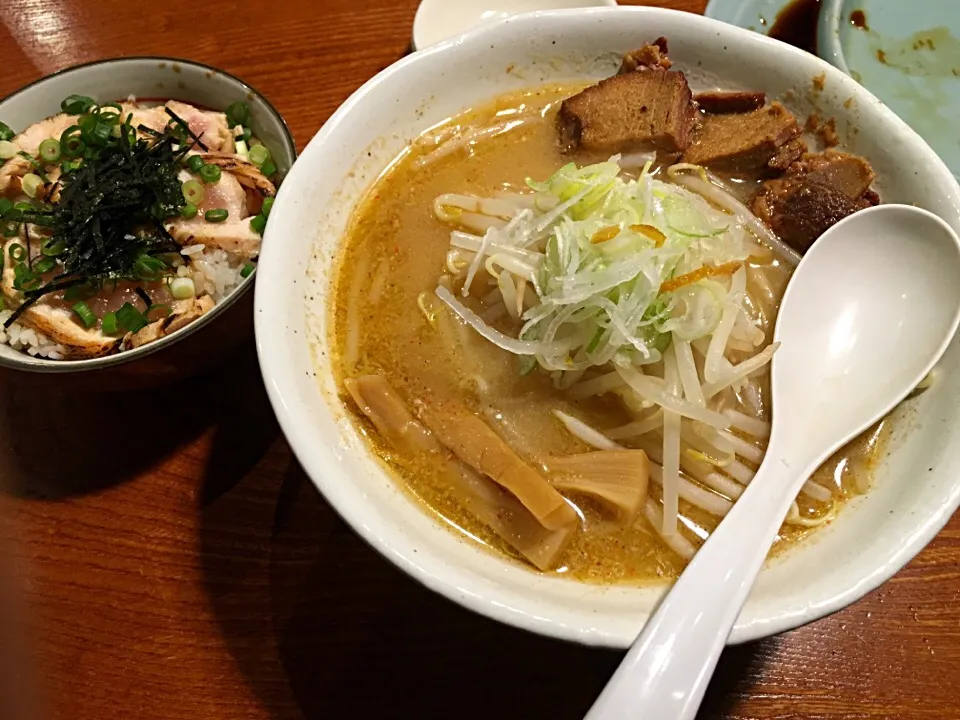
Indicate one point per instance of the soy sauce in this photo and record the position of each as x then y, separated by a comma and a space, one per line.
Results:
796, 25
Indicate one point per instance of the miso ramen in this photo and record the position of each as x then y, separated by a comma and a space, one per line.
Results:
553, 316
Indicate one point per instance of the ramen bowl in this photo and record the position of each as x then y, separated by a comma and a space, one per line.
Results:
915, 489
210, 338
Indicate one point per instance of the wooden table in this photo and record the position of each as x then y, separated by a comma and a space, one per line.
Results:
176, 563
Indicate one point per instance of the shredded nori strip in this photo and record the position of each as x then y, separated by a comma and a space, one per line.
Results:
111, 210
142, 294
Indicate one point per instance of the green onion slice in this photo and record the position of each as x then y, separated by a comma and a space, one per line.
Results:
210, 173
50, 151
85, 314
193, 192
77, 104
259, 154
238, 113
130, 319
216, 216
108, 324
5, 132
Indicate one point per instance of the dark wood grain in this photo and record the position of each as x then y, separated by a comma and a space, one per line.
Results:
175, 563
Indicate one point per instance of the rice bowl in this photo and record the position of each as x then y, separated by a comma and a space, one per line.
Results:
217, 273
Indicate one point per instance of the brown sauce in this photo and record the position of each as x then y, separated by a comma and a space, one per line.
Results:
395, 249
796, 25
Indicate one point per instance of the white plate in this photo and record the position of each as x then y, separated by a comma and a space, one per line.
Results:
917, 488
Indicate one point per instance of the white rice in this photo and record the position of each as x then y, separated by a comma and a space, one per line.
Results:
19, 337
215, 272
219, 270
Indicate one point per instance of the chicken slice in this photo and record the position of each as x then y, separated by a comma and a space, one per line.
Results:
152, 117
247, 173
233, 236
57, 323
53, 127
211, 127
11, 173
182, 314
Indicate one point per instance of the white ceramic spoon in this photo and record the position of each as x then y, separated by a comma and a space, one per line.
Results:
869, 311
438, 20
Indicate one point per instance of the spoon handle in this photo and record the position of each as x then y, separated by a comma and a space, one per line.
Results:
668, 667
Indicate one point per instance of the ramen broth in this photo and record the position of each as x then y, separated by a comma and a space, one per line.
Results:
387, 321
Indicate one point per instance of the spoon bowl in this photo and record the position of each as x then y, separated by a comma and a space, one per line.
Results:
870, 310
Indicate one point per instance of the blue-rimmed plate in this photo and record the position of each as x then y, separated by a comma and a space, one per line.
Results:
756, 15
908, 55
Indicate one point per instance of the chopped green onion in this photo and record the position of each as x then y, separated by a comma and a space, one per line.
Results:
258, 224
195, 162
79, 292
52, 248
238, 113
5, 206
25, 278
259, 154
85, 314
77, 104
68, 166
247, 270
71, 142
100, 133
50, 151
5, 132
193, 192
8, 150
31, 183
268, 168
108, 324
148, 267
188, 211
44, 265
130, 319
241, 149
109, 113
216, 216
267, 206
24, 206
11, 229
210, 173
183, 288
17, 252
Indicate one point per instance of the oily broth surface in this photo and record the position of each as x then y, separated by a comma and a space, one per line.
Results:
395, 249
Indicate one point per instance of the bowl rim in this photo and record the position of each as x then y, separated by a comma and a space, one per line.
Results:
273, 339
828, 35
47, 366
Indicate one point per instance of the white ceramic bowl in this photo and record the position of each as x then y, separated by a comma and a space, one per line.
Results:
916, 488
